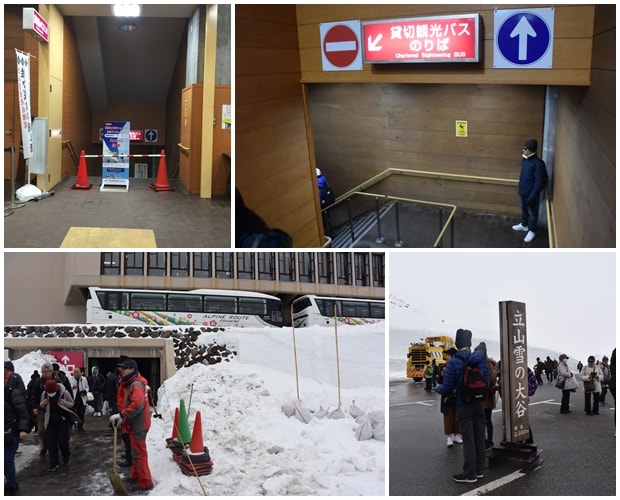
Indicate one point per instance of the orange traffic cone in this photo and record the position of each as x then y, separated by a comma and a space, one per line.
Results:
197, 445
82, 175
175, 425
161, 183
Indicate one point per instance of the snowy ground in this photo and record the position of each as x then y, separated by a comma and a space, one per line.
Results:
255, 447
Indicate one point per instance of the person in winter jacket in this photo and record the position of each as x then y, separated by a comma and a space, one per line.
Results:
327, 199
532, 181
471, 417
55, 401
16, 424
428, 378
569, 381
135, 413
490, 401
80, 388
37, 392
591, 373
251, 231
97, 382
31, 403
60, 376
447, 406
604, 366
109, 391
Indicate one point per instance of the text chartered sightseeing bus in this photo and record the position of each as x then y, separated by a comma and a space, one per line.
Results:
311, 310
214, 308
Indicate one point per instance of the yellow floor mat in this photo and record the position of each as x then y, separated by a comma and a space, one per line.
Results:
108, 237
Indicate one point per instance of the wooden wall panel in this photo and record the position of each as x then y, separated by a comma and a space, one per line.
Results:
584, 185
273, 169
572, 47
361, 130
75, 102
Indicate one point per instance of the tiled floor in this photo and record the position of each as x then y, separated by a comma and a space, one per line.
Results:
178, 219
419, 227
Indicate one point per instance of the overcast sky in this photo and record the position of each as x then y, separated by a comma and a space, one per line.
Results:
570, 297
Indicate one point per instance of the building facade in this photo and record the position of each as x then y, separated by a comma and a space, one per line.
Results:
52, 287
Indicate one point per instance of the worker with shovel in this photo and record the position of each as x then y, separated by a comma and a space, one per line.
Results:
134, 410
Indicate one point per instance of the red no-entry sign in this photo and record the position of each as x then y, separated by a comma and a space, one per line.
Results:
340, 46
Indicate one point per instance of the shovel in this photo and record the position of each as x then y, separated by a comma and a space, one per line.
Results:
115, 479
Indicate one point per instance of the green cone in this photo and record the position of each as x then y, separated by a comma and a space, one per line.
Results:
185, 435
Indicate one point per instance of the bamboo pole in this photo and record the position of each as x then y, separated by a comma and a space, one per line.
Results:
295, 353
337, 354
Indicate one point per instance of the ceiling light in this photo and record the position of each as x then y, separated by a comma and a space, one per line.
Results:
126, 10
128, 26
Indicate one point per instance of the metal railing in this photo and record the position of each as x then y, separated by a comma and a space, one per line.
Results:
397, 199
361, 190
69, 145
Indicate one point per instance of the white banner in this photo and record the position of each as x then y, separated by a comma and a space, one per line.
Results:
23, 89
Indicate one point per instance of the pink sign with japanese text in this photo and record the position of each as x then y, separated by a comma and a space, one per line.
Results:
424, 39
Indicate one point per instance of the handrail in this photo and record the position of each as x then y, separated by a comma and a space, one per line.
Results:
358, 190
421, 202
423, 173
72, 152
550, 226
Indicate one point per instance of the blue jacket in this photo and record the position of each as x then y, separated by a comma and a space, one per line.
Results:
453, 376
533, 177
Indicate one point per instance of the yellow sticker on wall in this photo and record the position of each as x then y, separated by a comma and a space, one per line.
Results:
461, 128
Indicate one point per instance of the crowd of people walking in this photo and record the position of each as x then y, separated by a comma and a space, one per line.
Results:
54, 405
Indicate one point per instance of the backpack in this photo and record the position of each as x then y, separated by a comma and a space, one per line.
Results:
474, 387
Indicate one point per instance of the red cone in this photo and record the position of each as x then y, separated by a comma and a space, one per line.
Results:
161, 183
197, 445
82, 175
175, 426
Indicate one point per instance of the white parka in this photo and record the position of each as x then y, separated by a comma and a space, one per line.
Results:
584, 375
564, 373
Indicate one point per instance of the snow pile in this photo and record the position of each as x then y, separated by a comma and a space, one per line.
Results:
256, 448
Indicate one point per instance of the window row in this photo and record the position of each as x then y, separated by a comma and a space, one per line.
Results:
341, 268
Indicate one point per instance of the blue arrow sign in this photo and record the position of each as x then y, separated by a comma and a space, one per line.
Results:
150, 135
523, 39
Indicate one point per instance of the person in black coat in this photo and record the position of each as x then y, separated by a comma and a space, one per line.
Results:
16, 424
96, 382
110, 389
251, 231
532, 181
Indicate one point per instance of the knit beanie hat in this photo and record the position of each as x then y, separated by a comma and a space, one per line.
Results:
531, 144
51, 386
463, 338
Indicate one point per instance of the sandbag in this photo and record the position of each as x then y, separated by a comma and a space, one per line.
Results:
355, 411
363, 431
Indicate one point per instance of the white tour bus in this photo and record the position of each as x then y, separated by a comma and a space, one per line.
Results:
311, 310
212, 308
